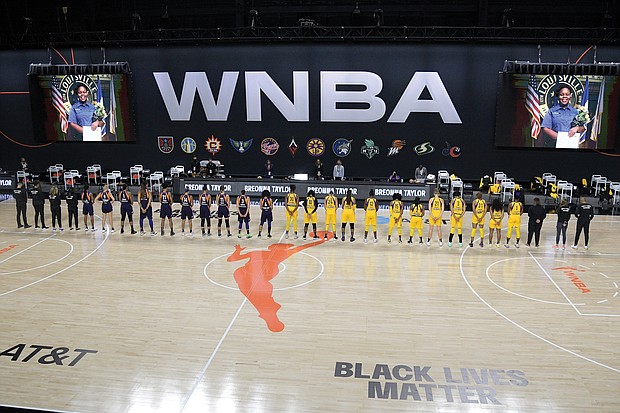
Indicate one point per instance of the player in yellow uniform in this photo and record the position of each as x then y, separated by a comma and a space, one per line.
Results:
310, 207
457, 211
417, 213
396, 216
348, 214
370, 206
515, 209
435, 208
495, 223
479, 208
291, 204
331, 205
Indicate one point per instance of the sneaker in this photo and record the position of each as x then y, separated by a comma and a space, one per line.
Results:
45, 227
172, 233
471, 245
162, 232
352, 239
586, 247
374, 241
304, 237
421, 242
400, 241
497, 245
441, 243
204, 234
113, 230
54, 229
141, 232
191, 234
286, 235
62, 229
365, 240
450, 244
563, 247
93, 229
296, 236
229, 235
556, 246
122, 230
133, 231
481, 244
86, 229
325, 237
506, 245
342, 239
573, 247
389, 240
20, 226
249, 236
238, 235
183, 234
70, 228
268, 235
102, 229
259, 235
460, 245
527, 245
77, 228
410, 241
153, 233
315, 237
516, 245
428, 243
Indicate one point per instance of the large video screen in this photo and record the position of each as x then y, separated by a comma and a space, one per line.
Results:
557, 111
82, 107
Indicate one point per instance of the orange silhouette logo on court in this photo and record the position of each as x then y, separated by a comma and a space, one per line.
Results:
254, 278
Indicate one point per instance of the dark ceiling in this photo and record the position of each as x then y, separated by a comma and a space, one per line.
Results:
36, 17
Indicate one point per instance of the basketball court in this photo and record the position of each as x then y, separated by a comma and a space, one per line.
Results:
104, 322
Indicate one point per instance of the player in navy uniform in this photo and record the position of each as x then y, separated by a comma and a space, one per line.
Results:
266, 215
584, 214
145, 199
165, 209
126, 208
222, 200
243, 213
107, 199
72, 209
55, 199
186, 212
87, 208
21, 200
204, 200
38, 202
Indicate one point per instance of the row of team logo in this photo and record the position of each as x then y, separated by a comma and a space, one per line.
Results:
315, 146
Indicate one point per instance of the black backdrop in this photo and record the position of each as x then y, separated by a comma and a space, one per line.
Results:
468, 71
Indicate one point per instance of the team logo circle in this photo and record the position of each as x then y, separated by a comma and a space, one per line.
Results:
213, 145
269, 146
342, 147
316, 147
188, 145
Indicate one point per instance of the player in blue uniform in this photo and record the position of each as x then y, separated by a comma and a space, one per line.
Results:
145, 199
165, 209
222, 200
186, 212
87, 208
243, 211
126, 208
107, 199
204, 200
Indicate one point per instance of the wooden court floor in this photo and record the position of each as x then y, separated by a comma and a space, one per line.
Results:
102, 322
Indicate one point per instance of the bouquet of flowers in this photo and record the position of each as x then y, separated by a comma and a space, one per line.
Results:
581, 118
100, 113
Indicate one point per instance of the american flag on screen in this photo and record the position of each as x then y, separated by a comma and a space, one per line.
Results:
533, 106
59, 105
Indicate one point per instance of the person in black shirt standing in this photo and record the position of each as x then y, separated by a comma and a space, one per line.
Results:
72, 209
55, 199
21, 200
584, 214
38, 202
564, 212
537, 215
